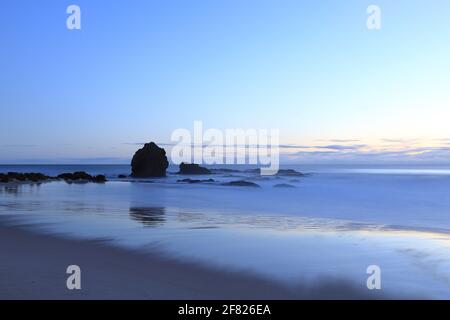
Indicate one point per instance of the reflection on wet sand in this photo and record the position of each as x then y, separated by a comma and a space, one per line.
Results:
9, 189
203, 220
18, 188
281, 247
149, 216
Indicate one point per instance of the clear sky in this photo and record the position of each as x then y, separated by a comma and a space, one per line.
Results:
137, 70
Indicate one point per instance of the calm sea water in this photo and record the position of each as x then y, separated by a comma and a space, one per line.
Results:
332, 223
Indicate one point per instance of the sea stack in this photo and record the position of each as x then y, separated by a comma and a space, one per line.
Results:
149, 161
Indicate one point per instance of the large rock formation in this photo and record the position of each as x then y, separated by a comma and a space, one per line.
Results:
192, 168
150, 161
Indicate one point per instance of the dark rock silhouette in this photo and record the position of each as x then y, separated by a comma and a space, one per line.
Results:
122, 176
195, 181
283, 185
99, 178
81, 176
289, 173
22, 177
149, 161
240, 183
192, 168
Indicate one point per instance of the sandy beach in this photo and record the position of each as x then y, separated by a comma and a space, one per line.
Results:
34, 267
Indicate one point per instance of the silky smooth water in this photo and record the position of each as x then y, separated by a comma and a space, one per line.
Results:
335, 222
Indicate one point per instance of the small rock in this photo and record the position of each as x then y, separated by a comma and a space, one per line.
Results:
81, 176
99, 178
240, 183
22, 177
283, 185
289, 173
192, 168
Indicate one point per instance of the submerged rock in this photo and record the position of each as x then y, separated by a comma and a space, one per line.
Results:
289, 173
241, 183
195, 181
149, 161
224, 170
283, 185
281, 172
192, 168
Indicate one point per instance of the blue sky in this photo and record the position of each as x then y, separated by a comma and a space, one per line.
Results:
137, 70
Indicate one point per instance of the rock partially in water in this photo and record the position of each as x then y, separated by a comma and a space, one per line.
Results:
283, 185
192, 168
149, 161
122, 176
240, 183
23, 177
99, 178
4, 178
196, 181
289, 173
81, 176
34, 177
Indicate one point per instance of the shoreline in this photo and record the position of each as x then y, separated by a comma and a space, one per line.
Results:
35, 268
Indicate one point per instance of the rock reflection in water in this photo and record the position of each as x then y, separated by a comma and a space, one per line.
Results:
149, 216
9, 189
18, 188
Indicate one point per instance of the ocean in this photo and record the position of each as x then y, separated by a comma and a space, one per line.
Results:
332, 223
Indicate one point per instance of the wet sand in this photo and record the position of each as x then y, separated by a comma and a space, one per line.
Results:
33, 266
